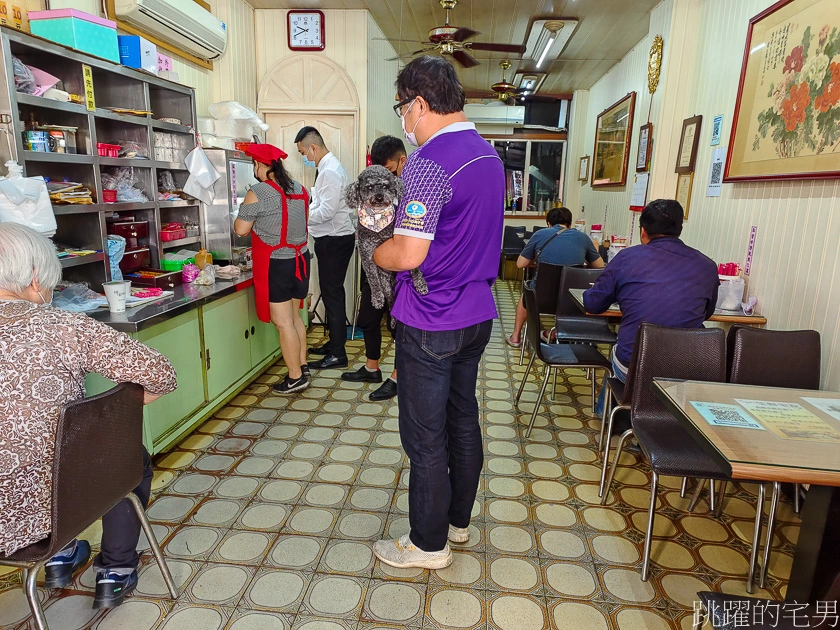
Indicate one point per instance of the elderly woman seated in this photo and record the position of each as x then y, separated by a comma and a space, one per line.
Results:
45, 354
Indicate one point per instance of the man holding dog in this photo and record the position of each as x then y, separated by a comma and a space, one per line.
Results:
455, 188
334, 234
389, 152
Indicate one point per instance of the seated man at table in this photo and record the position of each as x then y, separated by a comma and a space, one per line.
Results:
558, 245
663, 281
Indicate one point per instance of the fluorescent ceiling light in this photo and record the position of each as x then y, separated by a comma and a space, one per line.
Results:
548, 46
529, 82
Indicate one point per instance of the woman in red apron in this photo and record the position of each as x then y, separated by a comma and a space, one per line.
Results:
275, 212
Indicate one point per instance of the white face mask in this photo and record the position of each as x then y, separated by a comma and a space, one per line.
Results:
409, 135
40, 295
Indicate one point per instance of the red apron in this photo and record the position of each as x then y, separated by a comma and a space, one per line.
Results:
261, 253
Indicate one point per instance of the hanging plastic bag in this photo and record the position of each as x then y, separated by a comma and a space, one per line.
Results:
25, 200
202, 175
116, 249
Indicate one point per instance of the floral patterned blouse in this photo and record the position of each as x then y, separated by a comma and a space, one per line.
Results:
45, 354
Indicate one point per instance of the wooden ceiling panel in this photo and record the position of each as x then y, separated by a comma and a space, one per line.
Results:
606, 31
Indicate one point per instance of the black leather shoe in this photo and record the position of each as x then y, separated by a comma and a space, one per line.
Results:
329, 362
320, 351
59, 571
363, 374
111, 589
386, 391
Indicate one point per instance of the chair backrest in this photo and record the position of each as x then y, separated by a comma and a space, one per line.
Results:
773, 358
697, 354
547, 286
532, 318
513, 239
574, 278
98, 459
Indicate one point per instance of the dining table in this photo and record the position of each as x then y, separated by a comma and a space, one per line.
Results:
773, 434
725, 317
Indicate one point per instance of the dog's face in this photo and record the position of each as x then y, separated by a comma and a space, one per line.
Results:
378, 187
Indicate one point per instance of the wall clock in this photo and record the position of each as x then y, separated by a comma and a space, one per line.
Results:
305, 30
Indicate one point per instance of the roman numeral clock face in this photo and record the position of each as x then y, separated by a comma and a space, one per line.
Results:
306, 30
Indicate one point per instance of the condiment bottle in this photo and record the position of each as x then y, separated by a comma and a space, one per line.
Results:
202, 258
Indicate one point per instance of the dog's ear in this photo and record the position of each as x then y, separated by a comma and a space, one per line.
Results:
352, 196
399, 187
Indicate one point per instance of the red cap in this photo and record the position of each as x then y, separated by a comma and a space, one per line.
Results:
265, 153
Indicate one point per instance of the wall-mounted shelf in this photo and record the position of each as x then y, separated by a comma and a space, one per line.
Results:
75, 261
191, 240
116, 86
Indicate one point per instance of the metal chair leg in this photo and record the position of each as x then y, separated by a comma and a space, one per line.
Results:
606, 414
771, 522
31, 590
554, 387
712, 502
356, 316
592, 385
683, 487
523, 341
719, 509
605, 493
797, 498
524, 379
759, 512
696, 496
539, 401
606, 427
654, 484
153, 543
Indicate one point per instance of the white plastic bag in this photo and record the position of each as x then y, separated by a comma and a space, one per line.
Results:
730, 294
202, 175
25, 200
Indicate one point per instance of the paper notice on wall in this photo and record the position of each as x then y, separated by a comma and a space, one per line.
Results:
790, 421
716, 174
639, 198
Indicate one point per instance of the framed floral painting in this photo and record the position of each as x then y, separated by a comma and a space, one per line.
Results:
787, 117
612, 143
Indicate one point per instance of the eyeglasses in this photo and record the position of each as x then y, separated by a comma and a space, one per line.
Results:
398, 107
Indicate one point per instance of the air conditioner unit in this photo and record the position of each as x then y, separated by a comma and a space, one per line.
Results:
494, 113
182, 23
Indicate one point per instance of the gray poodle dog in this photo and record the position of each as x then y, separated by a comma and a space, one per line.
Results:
376, 194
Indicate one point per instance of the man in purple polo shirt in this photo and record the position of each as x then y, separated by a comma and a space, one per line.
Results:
449, 224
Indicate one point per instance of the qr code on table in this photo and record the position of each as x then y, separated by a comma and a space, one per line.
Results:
717, 173
723, 415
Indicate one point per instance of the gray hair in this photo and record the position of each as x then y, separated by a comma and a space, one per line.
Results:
26, 256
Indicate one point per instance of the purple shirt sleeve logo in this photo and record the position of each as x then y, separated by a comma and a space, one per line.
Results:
415, 210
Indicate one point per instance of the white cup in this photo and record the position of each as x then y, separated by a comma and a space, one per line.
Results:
116, 292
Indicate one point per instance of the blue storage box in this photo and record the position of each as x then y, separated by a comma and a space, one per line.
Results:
138, 52
84, 32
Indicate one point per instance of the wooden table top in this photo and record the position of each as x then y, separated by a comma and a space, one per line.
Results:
725, 317
761, 433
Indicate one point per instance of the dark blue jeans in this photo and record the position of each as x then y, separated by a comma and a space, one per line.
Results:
439, 426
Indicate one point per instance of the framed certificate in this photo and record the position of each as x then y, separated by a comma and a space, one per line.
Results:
683, 194
583, 169
689, 141
612, 143
645, 146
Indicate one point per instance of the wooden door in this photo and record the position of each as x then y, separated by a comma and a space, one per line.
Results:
339, 132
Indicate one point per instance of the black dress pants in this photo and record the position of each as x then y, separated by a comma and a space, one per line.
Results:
121, 529
370, 321
334, 253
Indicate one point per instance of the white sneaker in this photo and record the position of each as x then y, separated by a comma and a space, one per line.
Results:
402, 553
459, 535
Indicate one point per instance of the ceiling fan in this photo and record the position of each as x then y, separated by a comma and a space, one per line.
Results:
504, 89
451, 40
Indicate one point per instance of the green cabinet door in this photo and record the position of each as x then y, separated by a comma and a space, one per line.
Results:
226, 345
264, 337
179, 339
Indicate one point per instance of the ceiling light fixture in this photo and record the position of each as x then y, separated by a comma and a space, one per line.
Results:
551, 27
548, 38
529, 82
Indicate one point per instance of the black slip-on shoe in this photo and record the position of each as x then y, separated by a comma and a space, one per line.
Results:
386, 391
329, 362
59, 571
363, 375
111, 589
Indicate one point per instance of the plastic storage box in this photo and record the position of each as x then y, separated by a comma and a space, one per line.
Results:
138, 52
77, 29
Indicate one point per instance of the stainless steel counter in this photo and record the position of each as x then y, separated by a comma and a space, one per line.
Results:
186, 298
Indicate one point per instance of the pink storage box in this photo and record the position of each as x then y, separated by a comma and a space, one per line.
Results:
164, 63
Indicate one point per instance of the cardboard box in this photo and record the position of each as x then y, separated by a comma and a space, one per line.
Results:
164, 63
85, 32
137, 52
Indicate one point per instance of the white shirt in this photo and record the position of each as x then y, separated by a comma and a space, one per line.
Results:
329, 214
